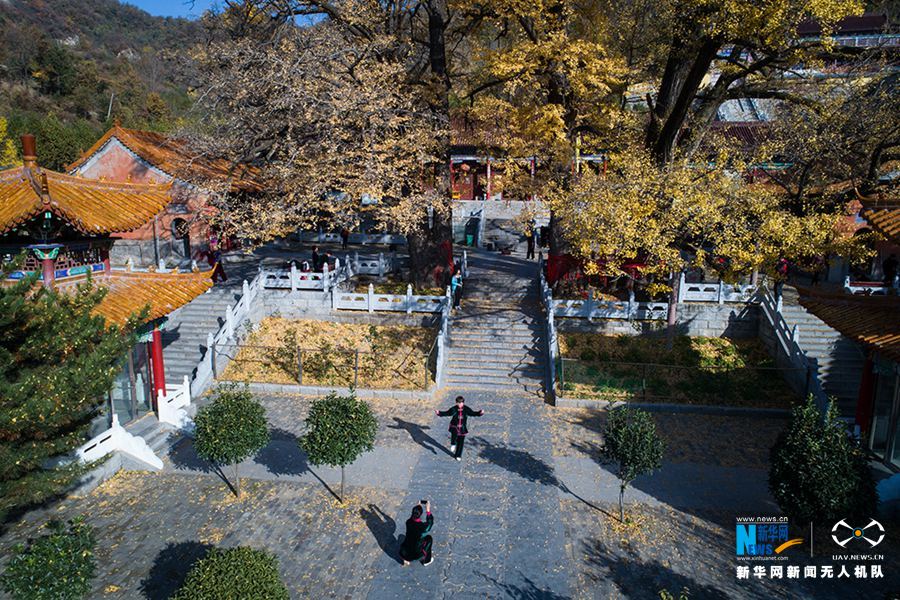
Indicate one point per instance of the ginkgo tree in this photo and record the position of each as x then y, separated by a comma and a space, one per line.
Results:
685, 215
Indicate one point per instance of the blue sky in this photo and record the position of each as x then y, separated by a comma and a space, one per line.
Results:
173, 8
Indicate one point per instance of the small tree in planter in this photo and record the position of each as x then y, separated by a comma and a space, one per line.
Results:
234, 573
231, 429
818, 471
631, 441
57, 566
338, 430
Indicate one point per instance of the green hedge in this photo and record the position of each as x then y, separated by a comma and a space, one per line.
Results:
57, 566
234, 574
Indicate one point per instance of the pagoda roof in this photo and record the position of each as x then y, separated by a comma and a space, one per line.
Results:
130, 291
92, 207
173, 157
883, 214
873, 321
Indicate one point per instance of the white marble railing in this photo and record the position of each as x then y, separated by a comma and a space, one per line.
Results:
552, 339
234, 316
354, 238
716, 291
787, 341
296, 280
171, 406
870, 288
117, 439
371, 302
609, 309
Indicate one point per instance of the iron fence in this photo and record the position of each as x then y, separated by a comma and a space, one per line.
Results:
334, 366
695, 384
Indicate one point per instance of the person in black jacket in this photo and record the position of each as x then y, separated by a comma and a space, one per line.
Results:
459, 415
417, 543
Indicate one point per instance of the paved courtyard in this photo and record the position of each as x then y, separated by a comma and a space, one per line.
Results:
515, 519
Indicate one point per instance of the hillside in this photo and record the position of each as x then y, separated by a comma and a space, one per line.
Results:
68, 68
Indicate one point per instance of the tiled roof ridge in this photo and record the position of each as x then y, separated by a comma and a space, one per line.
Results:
92, 206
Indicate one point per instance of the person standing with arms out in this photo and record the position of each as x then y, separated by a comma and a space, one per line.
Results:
456, 284
417, 543
459, 415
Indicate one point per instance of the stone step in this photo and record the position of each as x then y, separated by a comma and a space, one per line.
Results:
458, 348
496, 377
473, 327
510, 371
487, 355
511, 386
473, 333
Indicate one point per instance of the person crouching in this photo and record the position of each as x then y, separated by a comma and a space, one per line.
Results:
417, 543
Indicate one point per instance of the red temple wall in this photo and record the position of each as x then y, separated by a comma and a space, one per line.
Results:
114, 163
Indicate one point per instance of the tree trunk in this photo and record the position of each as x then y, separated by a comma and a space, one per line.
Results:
237, 481
557, 241
422, 253
622, 503
664, 146
342, 484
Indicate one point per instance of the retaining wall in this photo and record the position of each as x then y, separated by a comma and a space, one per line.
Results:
735, 321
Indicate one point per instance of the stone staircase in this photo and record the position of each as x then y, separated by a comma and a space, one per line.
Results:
184, 338
496, 336
839, 359
184, 344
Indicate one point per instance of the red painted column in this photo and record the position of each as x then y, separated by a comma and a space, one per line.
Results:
48, 268
156, 361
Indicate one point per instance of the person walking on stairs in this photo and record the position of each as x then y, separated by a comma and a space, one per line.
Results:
459, 415
456, 288
417, 543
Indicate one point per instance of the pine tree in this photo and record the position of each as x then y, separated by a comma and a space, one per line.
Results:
57, 362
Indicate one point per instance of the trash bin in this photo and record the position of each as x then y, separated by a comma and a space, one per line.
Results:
470, 239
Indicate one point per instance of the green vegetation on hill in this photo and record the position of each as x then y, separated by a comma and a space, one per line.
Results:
68, 69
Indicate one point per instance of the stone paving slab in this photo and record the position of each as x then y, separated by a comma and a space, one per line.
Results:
675, 484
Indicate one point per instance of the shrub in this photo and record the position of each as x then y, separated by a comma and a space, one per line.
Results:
630, 439
57, 566
234, 574
231, 429
818, 472
338, 430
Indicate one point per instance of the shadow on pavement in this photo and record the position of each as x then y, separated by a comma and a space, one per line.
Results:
282, 456
528, 467
384, 529
528, 591
170, 568
417, 433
